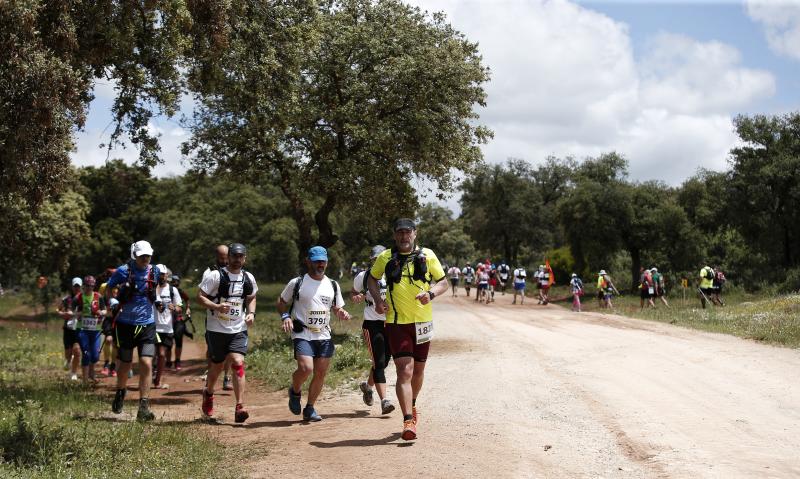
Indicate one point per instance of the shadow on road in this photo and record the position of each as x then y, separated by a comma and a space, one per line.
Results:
386, 441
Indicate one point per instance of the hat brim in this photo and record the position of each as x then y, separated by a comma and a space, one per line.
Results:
145, 252
318, 258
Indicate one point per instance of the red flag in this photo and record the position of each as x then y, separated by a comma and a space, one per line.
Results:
550, 270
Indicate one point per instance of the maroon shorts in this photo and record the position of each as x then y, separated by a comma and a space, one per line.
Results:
403, 342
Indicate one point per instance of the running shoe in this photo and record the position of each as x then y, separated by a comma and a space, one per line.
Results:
208, 403
66, 364
113, 373
144, 413
241, 414
73, 377
178, 366
294, 401
386, 406
367, 393
130, 373
414, 413
310, 414
119, 400
409, 430
104, 371
226, 384
169, 364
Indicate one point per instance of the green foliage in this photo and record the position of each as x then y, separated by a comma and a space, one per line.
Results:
446, 237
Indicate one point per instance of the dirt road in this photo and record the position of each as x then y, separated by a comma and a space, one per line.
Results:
532, 391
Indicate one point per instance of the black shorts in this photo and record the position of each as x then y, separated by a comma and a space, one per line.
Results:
70, 338
129, 336
165, 339
454, 281
221, 344
644, 293
108, 327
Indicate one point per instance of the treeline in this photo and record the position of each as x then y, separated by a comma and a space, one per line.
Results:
589, 216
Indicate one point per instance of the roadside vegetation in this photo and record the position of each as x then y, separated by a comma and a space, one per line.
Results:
53, 428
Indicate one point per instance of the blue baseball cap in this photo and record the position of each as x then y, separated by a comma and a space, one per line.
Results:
317, 253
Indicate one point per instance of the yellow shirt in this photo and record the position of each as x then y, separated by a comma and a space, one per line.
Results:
401, 297
102, 289
706, 283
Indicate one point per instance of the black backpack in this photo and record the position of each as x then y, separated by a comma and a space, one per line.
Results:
129, 289
395, 265
225, 285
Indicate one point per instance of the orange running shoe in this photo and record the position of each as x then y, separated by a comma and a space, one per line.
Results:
414, 413
409, 430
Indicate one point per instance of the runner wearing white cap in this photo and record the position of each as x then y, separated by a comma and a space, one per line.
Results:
134, 325
72, 348
168, 303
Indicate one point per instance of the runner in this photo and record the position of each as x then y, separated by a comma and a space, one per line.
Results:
492, 283
305, 308
374, 336
168, 304
90, 307
181, 317
718, 283
455, 274
658, 282
469, 277
543, 284
409, 271
519, 285
576, 286
482, 278
72, 348
221, 253
646, 288
229, 295
606, 288
109, 346
503, 271
706, 285
134, 326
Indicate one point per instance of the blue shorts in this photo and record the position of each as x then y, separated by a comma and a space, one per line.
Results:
519, 286
315, 348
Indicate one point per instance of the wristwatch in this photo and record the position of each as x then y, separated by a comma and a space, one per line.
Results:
431, 294
251, 312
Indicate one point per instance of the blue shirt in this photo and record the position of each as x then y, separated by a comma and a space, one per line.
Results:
139, 310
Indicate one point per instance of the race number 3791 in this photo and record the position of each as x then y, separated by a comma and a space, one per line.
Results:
424, 332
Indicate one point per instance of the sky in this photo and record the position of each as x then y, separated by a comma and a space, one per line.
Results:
658, 82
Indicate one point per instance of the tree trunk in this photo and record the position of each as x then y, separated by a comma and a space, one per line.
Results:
300, 217
322, 218
636, 262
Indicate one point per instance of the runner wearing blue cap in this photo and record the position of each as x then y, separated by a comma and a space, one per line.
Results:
305, 308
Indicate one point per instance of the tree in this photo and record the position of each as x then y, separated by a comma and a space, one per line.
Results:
444, 235
765, 183
358, 101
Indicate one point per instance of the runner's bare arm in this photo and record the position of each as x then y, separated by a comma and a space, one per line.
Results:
356, 296
375, 291
251, 309
341, 313
438, 288
283, 308
202, 298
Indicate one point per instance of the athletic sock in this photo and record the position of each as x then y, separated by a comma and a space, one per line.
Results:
407, 417
413, 402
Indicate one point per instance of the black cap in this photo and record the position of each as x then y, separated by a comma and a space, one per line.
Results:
404, 224
175, 277
237, 248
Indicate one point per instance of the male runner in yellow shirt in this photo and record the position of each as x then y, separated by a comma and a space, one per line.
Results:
409, 272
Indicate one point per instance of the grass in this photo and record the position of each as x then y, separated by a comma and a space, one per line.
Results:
53, 428
766, 317
271, 355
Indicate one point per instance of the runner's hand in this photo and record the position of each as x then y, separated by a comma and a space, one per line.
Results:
223, 308
381, 307
287, 325
249, 319
423, 297
342, 314
357, 298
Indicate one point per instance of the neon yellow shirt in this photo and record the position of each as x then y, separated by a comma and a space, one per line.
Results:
401, 297
706, 282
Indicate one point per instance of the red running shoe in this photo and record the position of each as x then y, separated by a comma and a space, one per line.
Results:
208, 403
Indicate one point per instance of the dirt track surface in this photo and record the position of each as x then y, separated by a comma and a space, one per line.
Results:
533, 391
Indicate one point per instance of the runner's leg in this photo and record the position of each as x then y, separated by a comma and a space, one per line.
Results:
318, 380
305, 366
403, 389
237, 361
417, 379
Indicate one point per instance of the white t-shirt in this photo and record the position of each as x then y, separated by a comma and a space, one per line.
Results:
233, 322
454, 272
369, 307
503, 270
468, 273
518, 278
544, 278
164, 319
313, 307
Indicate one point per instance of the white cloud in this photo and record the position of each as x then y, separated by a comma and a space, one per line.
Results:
565, 81
781, 22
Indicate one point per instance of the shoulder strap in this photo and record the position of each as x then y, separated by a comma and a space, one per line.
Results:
336, 290
224, 285
364, 288
296, 293
247, 286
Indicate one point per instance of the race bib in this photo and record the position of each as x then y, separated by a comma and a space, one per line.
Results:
424, 332
89, 323
317, 321
650, 290
72, 323
236, 311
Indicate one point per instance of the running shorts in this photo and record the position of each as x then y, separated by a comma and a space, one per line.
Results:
483, 285
165, 339
519, 286
644, 293
454, 281
222, 344
403, 342
70, 338
108, 327
180, 329
129, 336
315, 348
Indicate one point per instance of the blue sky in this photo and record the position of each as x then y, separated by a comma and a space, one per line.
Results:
658, 82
